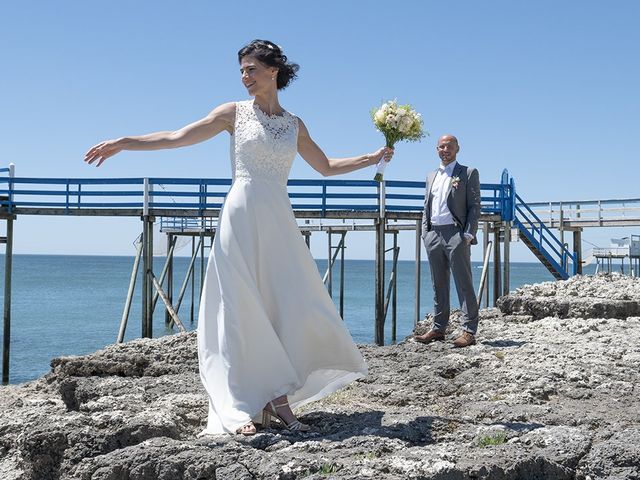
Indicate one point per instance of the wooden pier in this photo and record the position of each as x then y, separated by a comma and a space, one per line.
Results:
335, 207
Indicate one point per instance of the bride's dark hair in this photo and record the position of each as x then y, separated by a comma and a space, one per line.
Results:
271, 55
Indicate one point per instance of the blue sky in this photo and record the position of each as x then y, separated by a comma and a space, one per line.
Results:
547, 89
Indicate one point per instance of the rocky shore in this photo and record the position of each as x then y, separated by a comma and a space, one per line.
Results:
551, 390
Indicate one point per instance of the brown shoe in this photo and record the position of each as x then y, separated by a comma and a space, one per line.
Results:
430, 336
464, 340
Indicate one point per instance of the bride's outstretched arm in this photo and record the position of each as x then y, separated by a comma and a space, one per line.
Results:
221, 118
315, 157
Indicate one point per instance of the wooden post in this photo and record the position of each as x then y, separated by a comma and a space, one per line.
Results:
8, 265
485, 248
165, 299
203, 226
342, 244
329, 264
577, 249
165, 270
506, 264
147, 263
190, 273
147, 289
561, 224
418, 279
379, 280
496, 263
485, 273
171, 240
193, 279
132, 286
394, 299
145, 278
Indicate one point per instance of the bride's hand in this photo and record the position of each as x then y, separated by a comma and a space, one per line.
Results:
102, 151
384, 152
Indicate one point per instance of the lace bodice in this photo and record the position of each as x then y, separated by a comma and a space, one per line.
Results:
263, 146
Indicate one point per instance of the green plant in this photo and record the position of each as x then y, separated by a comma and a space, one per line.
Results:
366, 456
329, 468
492, 440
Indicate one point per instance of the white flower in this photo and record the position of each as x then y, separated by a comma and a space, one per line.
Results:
391, 120
405, 123
380, 115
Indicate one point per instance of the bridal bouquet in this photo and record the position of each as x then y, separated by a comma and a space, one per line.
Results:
397, 123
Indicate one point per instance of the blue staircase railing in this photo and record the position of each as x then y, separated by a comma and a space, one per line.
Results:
541, 239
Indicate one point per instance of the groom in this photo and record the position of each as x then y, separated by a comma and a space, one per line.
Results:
449, 226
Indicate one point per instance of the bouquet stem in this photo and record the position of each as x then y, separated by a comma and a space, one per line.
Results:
382, 164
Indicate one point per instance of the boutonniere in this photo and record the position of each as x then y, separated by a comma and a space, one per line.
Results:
455, 181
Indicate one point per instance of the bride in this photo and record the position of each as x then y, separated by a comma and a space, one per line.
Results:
269, 336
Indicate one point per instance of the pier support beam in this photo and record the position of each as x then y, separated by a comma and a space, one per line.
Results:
380, 224
147, 268
193, 280
8, 265
506, 265
342, 247
416, 318
171, 239
202, 272
577, 249
329, 263
380, 248
132, 286
496, 263
393, 284
485, 247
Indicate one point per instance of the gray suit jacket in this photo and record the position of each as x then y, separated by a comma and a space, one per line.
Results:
463, 201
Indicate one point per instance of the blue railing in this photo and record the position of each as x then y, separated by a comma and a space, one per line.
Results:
195, 196
322, 196
554, 251
542, 239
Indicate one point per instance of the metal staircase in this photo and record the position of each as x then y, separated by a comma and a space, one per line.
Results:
547, 248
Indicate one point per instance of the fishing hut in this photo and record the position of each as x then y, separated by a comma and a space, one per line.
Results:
337, 208
619, 250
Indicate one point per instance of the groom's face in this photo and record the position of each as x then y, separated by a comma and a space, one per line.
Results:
447, 149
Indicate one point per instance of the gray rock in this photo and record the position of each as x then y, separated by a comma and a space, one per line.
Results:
536, 397
602, 296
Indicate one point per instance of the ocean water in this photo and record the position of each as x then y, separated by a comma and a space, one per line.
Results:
72, 305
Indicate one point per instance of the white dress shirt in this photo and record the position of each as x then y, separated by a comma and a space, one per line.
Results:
440, 214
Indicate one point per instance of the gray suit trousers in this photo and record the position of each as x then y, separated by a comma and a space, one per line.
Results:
448, 252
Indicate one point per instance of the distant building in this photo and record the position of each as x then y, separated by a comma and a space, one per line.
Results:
621, 248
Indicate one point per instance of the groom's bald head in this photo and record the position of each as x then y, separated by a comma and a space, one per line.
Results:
448, 147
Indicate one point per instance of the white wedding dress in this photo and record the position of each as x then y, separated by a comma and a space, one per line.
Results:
267, 326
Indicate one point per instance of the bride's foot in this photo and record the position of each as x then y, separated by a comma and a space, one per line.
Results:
247, 429
280, 410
